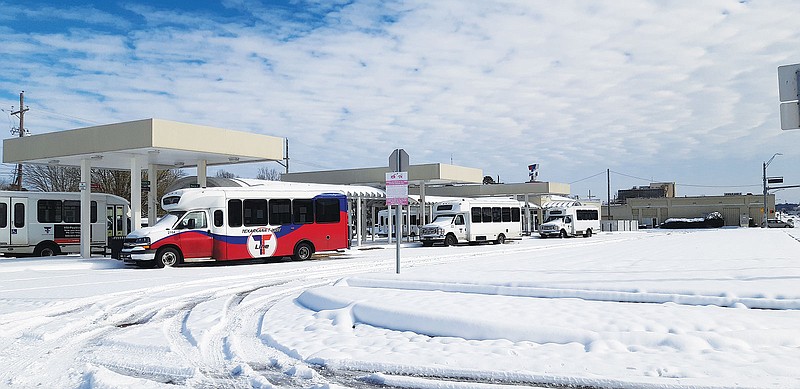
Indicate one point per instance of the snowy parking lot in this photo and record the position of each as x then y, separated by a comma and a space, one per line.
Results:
651, 309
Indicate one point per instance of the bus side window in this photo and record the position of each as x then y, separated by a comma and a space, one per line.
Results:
568, 219
49, 211
3, 215
303, 211
235, 213
487, 214
476, 214
506, 214
255, 212
218, 218
19, 215
280, 211
327, 211
459, 220
496, 215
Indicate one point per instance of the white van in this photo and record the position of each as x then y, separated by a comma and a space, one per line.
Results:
49, 223
570, 221
473, 220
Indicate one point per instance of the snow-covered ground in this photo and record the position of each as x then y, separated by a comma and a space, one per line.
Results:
650, 309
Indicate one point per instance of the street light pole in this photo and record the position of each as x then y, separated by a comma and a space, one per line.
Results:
764, 182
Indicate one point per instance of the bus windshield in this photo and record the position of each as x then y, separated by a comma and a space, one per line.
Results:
169, 219
551, 218
444, 219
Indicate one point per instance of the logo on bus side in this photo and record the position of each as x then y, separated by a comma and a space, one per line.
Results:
262, 243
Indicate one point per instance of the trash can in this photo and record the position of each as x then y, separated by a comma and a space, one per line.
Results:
115, 243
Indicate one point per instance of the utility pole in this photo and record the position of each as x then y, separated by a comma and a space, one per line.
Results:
18, 180
608, 181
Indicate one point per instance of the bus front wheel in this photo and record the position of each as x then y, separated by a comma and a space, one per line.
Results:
303, 252
168, 257
501, 239
450, 240
563, 234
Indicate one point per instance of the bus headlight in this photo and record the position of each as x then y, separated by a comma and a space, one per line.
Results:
143, 242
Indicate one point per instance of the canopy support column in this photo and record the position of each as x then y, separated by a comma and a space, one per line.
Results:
202, 172
136, 194
86, 208
152, 195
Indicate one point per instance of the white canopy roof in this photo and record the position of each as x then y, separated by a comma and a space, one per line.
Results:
362, 191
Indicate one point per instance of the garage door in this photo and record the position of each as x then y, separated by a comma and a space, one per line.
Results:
731, 216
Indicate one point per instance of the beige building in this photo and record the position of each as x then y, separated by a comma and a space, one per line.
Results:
736, 209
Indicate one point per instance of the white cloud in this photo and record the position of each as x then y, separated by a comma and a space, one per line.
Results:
576, 86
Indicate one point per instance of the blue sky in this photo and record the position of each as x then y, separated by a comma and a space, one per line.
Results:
677, 91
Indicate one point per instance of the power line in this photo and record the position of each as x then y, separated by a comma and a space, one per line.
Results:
584, 179
67, 116
689, 185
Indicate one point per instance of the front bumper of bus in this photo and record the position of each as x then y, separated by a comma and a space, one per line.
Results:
136, 256
549, 231
137, 250
431, 235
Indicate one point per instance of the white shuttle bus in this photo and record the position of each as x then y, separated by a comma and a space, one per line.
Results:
576, 220
473, 221
49, 223
383, 228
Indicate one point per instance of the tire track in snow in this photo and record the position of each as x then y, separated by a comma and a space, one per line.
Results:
231, 353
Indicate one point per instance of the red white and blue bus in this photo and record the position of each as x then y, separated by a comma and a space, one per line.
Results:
240, 223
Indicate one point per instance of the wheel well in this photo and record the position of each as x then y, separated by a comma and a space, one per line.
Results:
306, 241
169, 246
46, 243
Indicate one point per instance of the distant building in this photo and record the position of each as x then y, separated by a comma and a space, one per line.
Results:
653, 191
736, 209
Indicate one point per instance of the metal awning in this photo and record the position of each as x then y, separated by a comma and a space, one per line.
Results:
143, 144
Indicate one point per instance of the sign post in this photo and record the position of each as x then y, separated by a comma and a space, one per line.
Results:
397, 193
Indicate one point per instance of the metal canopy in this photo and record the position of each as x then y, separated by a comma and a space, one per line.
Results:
163, 143
143, 144
435, 173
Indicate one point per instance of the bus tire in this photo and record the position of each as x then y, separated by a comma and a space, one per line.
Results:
563, 234
303, 251
168, 257
46, 249
588, 233
450, 240
501, 239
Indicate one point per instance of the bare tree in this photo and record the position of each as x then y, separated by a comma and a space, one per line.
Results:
4, 184
47, 178
225, 174
267, 173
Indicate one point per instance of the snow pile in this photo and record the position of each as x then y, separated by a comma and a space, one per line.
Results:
578, 318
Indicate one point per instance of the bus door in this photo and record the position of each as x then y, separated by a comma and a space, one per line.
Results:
460, 227
5, 220
17, 223
218, 229
195, 238
115, 221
